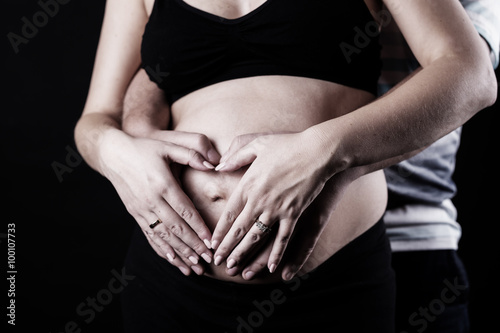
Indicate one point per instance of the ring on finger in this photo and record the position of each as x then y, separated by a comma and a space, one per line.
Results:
152, 225
262, 227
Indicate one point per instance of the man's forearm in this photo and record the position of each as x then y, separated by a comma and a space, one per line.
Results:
145, 108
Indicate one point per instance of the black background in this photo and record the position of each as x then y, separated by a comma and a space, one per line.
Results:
72, 232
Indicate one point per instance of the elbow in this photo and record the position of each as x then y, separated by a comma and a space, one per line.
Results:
77, 132
490, 90
485, 84
477, 87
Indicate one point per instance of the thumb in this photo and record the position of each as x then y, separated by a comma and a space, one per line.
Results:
238, 143
238, 159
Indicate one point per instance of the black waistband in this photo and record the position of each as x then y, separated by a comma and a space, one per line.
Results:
353, 291
371, 242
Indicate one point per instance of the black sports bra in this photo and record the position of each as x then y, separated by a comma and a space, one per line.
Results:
185, 49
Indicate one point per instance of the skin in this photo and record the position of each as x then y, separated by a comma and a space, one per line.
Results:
341, 143
206, 111
321, 211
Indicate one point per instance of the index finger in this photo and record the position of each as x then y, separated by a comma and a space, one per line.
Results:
185, 209
233, 209
195, 141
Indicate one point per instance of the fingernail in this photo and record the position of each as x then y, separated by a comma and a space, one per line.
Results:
220, 167
193, 259
197, 270
288, 276
185, 270
249, 275
206, 257
272, 268
214, 244
218, 260
208, 165
169, 257
231, 263
207, 243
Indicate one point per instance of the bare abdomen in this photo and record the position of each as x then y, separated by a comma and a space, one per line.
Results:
273, 104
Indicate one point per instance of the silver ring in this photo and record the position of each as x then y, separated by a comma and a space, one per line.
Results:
152, 225
262, 227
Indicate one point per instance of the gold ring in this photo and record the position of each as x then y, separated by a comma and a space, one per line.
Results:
152, 225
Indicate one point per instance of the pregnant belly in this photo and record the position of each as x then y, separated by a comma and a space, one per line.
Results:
361, 206
273, 104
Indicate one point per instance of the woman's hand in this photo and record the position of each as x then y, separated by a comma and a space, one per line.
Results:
309, 227
307, 232
140, 170
287, 173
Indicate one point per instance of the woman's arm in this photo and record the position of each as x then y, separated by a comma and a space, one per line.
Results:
456, 81
289, 171
139, 168
117, 60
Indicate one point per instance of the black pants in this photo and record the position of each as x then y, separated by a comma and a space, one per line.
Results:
432, 292
353, 291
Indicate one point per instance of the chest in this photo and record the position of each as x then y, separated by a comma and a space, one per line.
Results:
233, 9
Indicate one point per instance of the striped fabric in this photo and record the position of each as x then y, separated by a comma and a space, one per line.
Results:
421, 215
